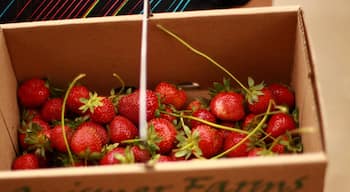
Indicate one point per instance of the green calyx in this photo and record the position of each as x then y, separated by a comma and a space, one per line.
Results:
255, 91
127, 158
188, 143
91, 103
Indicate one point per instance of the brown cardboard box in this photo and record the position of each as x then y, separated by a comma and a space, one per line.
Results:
268, 44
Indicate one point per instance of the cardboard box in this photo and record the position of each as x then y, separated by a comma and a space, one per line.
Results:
268, 44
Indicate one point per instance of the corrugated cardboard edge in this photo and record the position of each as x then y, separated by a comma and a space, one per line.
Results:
312, 74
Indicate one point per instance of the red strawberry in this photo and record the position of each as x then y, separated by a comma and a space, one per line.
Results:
227, 106
248, 121
255, 152
129, 107
101, 109
195, 105
231, 140
26, 161
57, 140
210, 140
279, 124
278, 148
202, 114
164, 158
170, 94
100, 130
166, 132
110, 157
140, 154
121, 128
33, 93
260, 105
52, 109
86, 140
34, 136
168, 117
74, 98
282, 95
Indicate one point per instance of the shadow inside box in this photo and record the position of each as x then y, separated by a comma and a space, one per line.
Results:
34, 10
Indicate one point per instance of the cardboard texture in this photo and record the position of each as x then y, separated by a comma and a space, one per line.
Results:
266, 43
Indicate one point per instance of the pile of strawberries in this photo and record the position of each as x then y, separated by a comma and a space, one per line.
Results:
79, 127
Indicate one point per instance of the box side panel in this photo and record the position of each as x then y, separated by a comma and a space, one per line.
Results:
305, 97
244, 44
285, 176
9, 121
62, 51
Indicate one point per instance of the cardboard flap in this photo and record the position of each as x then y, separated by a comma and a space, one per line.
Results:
9, 121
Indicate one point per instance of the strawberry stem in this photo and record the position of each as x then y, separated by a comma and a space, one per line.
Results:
121, 82
258, 127
207, 122
203, 55
80, 76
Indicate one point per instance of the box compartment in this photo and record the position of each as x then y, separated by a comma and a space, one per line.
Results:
268, 44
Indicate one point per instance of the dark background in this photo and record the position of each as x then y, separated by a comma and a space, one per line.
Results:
36, 10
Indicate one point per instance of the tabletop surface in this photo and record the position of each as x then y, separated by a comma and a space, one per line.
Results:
328, 25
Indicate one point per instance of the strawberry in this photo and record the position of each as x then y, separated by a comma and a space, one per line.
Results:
101, 109
195, 105
168, 117
110, 157
255, 152
33, 93
165, 132
118, 155
100, 130
202, 141
121, 128
128, 106
74, 98
231, 140
26, 161
85, 141
260, 105
249, 121
34, 136
202, 114
57, 140
164, 158
282, 95
227, 106
141, 154
210, 140
279, 124
170, 94
52, 109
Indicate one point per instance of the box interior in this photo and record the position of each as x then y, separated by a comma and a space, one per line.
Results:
266, 44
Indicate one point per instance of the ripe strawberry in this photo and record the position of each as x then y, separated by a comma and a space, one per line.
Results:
227, 106
26, 161
100, 130
279, 124
231, 140
260, 105
85, 141
140, 154
210, 140
57, 140
255, 152
165, 131
248, 121
74, 98
278, 148
121, 128
52, 109
282, 95
168, 117
170, 94
110, 157
34, 136
33, 93
195, 105
202, 114
101, 109
128, 106
164, 158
